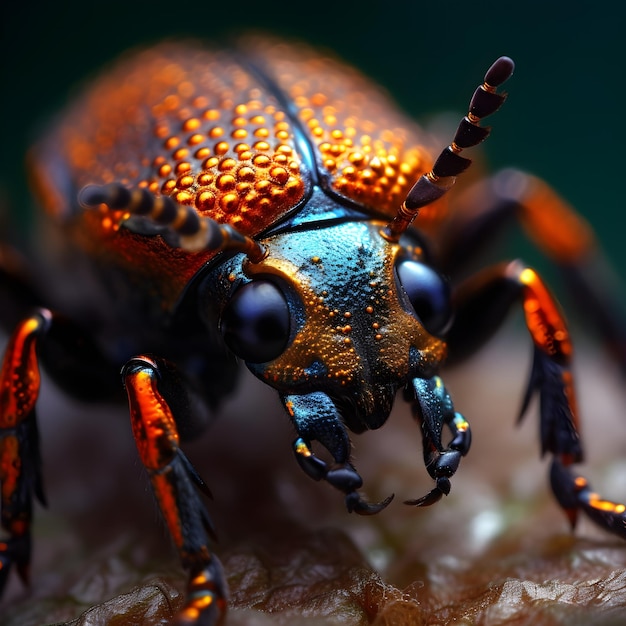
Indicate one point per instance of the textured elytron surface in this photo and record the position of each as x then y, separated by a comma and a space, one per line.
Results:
197, 125
372, 153
237, 144
189, 123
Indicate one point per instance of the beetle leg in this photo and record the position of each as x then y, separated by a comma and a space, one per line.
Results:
482, 302
486, 208
175, 484
20, 461
574, 493
481, 305
433, 409
316, 419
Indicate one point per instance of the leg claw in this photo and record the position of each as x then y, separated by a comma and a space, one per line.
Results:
442, 488
356, 504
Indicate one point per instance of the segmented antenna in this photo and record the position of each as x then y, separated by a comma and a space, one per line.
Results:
195, 232
450, 164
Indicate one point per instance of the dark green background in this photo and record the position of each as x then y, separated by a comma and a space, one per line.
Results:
563, 120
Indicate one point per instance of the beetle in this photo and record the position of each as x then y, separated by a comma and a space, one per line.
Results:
268, 204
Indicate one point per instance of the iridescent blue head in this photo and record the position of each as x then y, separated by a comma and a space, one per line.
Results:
337, 319
340, 310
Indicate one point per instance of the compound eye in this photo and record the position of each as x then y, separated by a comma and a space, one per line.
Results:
429, 295
256, 322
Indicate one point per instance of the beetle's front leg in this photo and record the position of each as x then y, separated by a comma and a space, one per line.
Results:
481, 304
433, 409
574, 493
316, 419
20, 462
486, 208
148, 383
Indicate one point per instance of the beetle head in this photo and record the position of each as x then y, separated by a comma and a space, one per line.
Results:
338, 310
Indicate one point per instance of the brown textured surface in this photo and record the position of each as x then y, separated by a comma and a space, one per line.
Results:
497, 551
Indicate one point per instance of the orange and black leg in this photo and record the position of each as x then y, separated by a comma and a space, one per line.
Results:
39, 338
481, 304
20, 462
483, 212
155, 395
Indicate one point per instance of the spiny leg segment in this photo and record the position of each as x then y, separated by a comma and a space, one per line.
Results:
20, 461
482, 302
175, 483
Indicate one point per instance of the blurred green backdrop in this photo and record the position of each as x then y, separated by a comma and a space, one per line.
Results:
563, 120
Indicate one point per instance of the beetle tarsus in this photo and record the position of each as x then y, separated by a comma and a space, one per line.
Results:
206, 597
574, 493
356, 504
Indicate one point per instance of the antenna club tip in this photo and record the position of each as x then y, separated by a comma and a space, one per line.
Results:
500, 71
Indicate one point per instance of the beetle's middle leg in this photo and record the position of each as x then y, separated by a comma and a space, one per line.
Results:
155, 396
481, 304
511, 196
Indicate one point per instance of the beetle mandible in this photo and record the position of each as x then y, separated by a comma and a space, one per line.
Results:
257, 202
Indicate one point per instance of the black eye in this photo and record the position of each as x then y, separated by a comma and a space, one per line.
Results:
429, 295
255, 322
